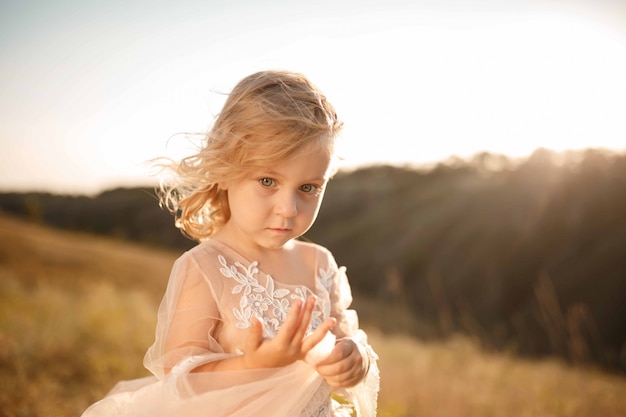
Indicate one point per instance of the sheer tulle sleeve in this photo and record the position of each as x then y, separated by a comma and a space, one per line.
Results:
364, 396
187, 319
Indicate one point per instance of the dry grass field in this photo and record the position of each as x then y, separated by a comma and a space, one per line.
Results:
77, 313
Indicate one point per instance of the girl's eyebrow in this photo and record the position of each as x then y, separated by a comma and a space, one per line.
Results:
316, 179
272, 173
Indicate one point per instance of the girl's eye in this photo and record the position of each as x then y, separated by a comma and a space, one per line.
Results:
308, 188
266, 182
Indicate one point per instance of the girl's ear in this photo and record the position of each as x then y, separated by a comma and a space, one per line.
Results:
222, 186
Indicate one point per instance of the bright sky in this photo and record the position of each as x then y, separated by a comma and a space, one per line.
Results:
89, 89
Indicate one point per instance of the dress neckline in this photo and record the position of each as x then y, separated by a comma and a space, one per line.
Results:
247, 263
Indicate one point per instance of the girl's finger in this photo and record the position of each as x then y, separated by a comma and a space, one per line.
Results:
254, 339
304, 321
289, 326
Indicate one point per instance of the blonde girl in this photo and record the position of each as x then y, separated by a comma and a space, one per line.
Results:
254, 321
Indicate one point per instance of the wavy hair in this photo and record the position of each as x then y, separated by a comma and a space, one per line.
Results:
268, 117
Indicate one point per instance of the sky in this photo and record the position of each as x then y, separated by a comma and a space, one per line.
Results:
91, 90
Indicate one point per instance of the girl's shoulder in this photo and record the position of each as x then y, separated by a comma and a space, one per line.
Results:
207, 255
309, 246
317, 254
202, 250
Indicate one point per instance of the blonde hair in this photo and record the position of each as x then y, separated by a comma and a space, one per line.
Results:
267, 118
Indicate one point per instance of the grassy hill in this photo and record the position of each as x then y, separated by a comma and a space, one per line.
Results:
77, 313
524, 255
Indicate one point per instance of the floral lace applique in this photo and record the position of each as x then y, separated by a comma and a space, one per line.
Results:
326, 277
268, 303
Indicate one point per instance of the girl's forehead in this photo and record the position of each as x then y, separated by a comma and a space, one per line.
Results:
310, 165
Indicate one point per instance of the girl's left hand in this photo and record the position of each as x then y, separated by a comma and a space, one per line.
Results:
345, 366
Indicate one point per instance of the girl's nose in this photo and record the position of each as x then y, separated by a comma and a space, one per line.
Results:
286, 204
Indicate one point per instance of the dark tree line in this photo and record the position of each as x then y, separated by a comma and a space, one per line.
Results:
528, 256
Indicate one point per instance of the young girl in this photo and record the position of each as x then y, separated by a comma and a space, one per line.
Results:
255, 322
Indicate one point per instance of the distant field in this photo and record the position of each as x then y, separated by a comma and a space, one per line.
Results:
77, 313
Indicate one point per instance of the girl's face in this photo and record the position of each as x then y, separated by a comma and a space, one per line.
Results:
272, 206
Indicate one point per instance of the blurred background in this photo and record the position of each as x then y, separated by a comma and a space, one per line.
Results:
479, 206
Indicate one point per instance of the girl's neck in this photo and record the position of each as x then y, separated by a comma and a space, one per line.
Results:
255, 253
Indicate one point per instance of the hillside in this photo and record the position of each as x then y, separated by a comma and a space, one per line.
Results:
528, 257
77, 313
524, 256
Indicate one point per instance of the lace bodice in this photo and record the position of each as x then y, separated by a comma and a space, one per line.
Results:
269, 301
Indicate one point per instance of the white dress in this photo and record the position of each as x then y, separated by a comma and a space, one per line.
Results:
212, 294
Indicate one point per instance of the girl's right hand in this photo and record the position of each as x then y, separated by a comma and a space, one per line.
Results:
290, 343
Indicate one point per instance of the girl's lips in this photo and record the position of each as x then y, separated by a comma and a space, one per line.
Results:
278, 229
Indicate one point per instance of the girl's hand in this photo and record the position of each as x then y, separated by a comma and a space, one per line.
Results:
290, 343
345, 366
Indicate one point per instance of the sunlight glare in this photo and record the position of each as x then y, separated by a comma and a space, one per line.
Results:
508, 87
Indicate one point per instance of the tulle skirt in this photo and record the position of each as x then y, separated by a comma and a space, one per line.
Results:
293, 391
